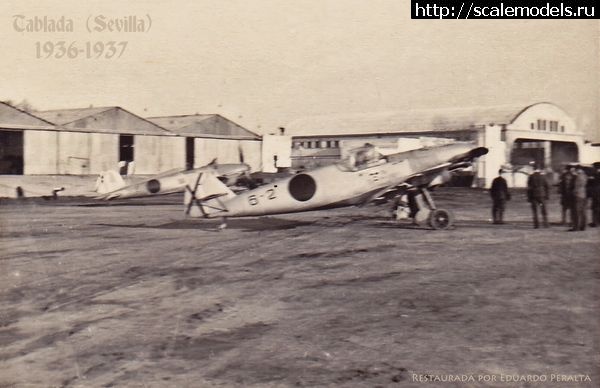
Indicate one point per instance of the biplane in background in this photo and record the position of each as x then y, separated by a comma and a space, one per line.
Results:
111, 185
365, 176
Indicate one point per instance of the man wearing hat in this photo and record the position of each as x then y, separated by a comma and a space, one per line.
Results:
565, 189
594, 184
580, 199
537, 195
500, 194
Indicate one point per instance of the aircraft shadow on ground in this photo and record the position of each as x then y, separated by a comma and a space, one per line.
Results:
462, 224
246, 224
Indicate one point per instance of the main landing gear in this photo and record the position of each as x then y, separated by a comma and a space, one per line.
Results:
424, 210
438, 219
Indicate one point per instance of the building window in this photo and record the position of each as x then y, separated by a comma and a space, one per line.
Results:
532, 126
336, 144
541, 125
328, 143
562, 128
309, 144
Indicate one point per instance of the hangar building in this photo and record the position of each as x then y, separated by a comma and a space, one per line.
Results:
209, 136
515, 135
91, 140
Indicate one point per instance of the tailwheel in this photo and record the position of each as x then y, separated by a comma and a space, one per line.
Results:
440, 219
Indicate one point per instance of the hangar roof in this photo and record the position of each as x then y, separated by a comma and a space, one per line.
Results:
204, 125
422, 120
14, 118
111, 119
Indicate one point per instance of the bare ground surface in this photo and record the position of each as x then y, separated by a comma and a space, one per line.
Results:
112, 296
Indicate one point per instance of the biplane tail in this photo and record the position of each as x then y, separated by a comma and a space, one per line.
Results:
109, 181
205, 196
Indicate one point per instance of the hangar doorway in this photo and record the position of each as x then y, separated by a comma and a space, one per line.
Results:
545, 154
526, 151
11, 152
563, 152
190, 154
126, 154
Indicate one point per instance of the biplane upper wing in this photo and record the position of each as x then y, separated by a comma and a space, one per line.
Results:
427, 178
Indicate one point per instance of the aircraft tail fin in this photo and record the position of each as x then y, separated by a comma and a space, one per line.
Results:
109, 181
205, 195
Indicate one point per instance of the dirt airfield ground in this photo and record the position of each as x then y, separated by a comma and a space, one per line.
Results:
137, 296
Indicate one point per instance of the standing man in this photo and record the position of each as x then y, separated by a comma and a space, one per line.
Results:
500, 194
565, 189
580, 199
537, 195
595, 195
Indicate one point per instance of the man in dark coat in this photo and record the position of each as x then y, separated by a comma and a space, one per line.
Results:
594, 184
537, 195
565, 189
500, 194
580, 199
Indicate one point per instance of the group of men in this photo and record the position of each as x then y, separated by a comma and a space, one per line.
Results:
575, 187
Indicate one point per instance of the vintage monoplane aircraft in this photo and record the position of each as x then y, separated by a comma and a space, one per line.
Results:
110, 184
364, 176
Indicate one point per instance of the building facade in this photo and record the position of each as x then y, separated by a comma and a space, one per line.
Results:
517, 136
91, 140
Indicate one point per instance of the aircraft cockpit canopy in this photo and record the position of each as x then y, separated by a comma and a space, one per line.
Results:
362, 157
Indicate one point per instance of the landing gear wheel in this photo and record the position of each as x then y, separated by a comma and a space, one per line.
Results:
440, 219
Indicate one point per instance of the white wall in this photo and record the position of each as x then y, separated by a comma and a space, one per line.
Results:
53, 152
252, 150
279, 146
226, 151
104, 152
589, 154
487, 166
40, 152
172, 153
74, 150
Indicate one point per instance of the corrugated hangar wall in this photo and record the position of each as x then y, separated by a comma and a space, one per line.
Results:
228, 151
90, 140
81, 153
154, 154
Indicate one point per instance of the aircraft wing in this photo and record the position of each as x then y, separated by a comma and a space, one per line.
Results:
423, 178
430, 177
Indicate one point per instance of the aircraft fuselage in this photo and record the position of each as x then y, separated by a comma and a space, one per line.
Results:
335, 186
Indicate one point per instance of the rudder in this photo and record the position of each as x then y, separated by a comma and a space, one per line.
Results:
109, 181
205, 195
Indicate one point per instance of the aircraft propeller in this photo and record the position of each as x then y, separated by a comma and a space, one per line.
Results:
245, 180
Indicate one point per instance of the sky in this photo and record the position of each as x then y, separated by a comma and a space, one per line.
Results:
265, 63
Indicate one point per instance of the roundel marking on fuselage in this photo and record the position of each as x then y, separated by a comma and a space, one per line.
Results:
153, 186
302, 187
